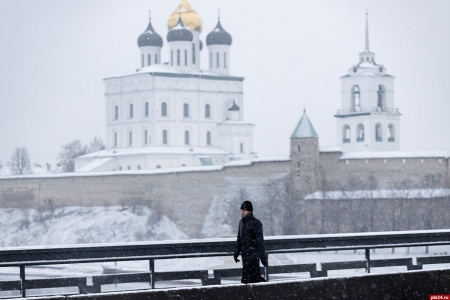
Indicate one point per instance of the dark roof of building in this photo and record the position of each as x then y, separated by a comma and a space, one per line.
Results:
150, 38
219, 36
180, 33
234, 107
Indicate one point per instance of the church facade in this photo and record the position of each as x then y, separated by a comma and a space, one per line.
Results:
175, 114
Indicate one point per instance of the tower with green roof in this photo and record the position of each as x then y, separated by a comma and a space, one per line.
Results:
304, 156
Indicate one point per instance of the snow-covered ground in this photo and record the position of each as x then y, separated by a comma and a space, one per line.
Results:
84, 225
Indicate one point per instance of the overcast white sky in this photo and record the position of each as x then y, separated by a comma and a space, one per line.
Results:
55, 53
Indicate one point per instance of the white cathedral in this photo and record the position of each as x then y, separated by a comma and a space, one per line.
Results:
175, 114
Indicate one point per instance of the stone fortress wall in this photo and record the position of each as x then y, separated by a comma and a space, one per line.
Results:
186, 197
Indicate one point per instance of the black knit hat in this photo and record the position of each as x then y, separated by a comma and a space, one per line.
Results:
247, 205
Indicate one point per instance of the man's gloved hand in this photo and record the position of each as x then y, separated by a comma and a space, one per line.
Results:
236, 259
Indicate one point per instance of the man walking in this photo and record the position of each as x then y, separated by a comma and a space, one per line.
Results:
250, 245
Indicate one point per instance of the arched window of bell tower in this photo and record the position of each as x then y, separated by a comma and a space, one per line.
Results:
164, 109
378, 133
356, 98
391, 133
360, 133
186, 110
346, 134
381, 105
207, 111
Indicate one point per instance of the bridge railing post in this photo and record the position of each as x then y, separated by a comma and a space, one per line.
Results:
266, 269
152, 273
368, 260
22, 281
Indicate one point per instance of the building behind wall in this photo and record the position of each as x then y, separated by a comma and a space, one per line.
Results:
175, 114
368, 155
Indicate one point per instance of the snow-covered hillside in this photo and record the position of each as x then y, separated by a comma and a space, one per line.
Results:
84, 225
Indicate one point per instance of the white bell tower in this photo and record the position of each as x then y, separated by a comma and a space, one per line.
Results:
368, 119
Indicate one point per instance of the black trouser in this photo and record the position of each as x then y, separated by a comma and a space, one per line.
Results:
251, 272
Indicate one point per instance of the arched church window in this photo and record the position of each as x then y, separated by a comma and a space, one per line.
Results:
360, 133
391, 133
186, 110
346, 134
145, 137
207, 111
149, 60
193, 54
185, 57
158, 167
378, 133
116, 112
356, 98
381, 97
242, 147
217, 60
186, 137
146, 109
171, 57
164, 109
156, 58
130, 138
131, 111
224, 60
164, 137
115, 139
208, 138
178, 57
142, 61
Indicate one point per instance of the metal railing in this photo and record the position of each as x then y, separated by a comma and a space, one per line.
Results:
32, 256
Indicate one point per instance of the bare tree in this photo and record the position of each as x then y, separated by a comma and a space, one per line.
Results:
96, 145
68, 154
20, 161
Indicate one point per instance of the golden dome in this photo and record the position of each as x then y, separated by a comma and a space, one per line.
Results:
191, 19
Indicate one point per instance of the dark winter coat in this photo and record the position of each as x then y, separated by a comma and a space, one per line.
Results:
250, 240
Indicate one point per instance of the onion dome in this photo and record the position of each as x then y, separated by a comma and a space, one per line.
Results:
179, 33
234, 107
218, 36
150, 38
191, 19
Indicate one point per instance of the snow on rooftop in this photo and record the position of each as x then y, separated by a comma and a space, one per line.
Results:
157, 150
95, 164
396, 154
330, 149
150, 172
228, 122
380, 194
162, 68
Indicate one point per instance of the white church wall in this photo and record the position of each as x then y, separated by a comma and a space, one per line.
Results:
184, 61
368, 91
153, 52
